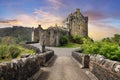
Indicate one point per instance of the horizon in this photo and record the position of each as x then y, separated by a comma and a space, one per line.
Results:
103, 16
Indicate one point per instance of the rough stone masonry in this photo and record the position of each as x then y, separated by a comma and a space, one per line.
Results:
74, 24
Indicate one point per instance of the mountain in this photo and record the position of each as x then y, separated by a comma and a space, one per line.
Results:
19, 32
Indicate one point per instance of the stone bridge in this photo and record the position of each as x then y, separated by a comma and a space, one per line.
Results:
60, 64
63, 67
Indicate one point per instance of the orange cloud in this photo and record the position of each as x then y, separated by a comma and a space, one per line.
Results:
47, 19
101, 25
97, 29
27, 20
9, 23
100, 31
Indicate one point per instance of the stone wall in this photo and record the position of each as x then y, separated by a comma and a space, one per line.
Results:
24, 68
50, 36
83, 59
21, 69
48, 55
31, 47
77, 24
102, 68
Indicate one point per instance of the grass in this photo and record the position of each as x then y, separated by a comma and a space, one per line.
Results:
5, 60
10, 52
25, 51
70, 45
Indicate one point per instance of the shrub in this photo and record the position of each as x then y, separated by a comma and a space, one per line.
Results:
77, 39
14, 51
107, 49
64, 40
4, 51
87, 40
8, 40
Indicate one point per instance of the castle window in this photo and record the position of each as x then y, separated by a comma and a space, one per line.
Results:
49, 33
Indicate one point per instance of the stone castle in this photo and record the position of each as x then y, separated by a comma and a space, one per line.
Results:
74, 24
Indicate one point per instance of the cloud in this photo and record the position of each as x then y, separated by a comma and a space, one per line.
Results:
47, 19
21, 20
95, 15
101, 25
56, 3
98, 31
9, 23
27, 20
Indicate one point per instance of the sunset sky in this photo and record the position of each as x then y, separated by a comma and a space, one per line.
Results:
104, 15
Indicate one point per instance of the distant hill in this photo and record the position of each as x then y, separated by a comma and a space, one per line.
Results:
19, 32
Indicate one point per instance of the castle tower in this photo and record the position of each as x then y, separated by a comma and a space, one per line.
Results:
77, 24
78, 12
32, 34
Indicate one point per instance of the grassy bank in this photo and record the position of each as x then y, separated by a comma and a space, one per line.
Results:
9, 52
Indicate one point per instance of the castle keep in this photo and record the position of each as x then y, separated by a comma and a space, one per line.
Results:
74, 24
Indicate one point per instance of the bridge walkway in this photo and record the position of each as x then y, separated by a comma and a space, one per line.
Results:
63, 67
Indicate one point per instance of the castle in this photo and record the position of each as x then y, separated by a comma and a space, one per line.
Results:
74, 24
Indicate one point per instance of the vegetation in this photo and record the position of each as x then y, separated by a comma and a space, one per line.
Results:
70, 45
115, 39
8, 40
22, 34
64, 40
77, 39
108, 47
10, 50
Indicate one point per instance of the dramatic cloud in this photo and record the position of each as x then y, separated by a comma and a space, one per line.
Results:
104, 16
95, 15
8, 23
56, 3
47, 19
98, 31
27, 20
21, 20
102, 25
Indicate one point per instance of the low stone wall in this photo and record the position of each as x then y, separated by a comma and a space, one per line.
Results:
21, 69
48, 55
32, 42
102, 68
83, 59
31, 47
24, 68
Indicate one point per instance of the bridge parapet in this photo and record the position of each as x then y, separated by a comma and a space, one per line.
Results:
25, 68
102, 68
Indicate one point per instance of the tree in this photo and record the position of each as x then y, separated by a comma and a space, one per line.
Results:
64, 40
116, 38
77, 39
8, 40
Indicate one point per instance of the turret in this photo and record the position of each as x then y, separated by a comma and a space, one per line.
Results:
32, 33
78, 12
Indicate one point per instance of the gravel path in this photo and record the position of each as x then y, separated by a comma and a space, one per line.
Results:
63, 67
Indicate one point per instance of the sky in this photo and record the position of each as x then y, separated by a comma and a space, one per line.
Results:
104, 15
